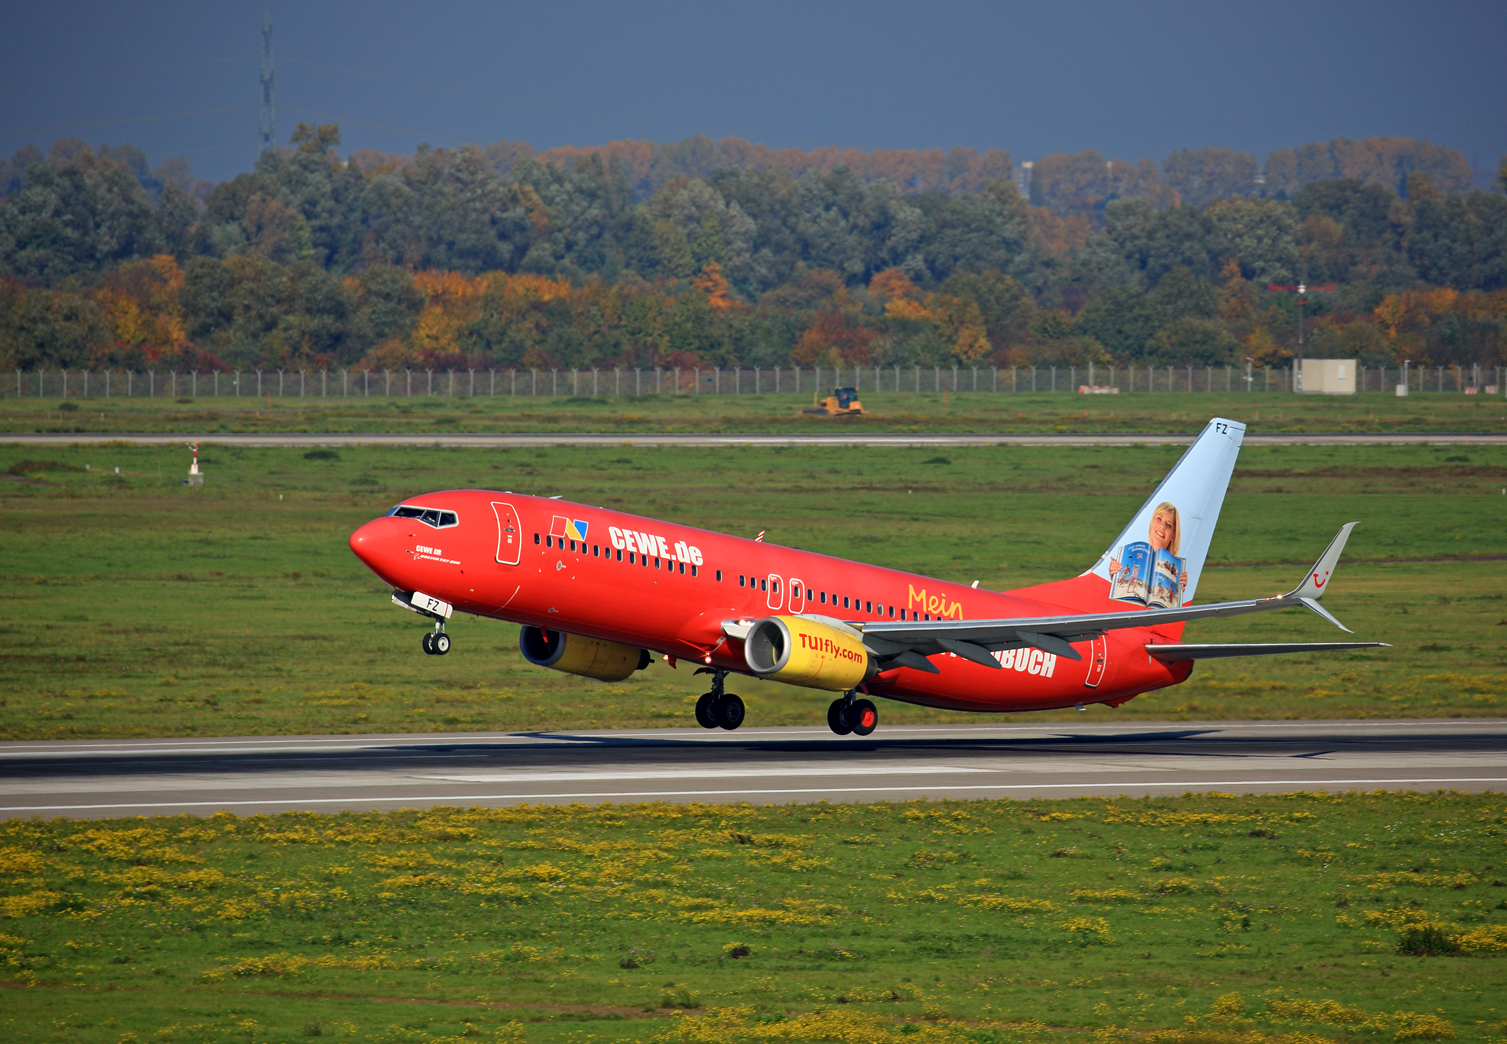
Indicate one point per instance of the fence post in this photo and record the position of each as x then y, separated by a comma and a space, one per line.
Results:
593, 381
471, 387
1072, 378
1054, 378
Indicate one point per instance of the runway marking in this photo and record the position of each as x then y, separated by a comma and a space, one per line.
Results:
582, 777
452, 798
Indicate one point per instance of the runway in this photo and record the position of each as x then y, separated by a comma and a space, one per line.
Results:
515, 441
108, 778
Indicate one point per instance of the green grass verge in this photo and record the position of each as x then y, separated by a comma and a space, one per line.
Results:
136, 606
888, 412
1208, 919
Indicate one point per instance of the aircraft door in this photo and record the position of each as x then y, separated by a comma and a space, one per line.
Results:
1098, 659
797, 595
776, 595
509, 534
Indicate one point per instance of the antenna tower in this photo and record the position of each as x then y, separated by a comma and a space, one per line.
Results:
266, 121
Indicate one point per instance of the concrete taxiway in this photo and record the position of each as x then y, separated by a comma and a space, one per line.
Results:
105, 778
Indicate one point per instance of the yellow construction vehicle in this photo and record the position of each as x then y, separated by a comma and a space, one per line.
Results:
843, 402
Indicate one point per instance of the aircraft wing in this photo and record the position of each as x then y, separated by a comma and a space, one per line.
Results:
904, 643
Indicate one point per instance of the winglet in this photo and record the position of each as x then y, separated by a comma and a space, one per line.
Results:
1316, 582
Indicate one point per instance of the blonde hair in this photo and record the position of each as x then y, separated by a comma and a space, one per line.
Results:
1166, 507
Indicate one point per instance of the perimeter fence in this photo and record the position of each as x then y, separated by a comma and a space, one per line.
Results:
537, 383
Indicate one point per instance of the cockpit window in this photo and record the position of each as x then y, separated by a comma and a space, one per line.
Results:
429, 516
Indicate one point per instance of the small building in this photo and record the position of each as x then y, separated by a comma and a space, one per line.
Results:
1327, 377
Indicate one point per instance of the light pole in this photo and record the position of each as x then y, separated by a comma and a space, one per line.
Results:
1302, 291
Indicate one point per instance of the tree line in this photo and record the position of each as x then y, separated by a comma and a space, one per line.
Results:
717, 254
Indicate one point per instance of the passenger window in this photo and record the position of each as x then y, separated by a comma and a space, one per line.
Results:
682, 567
902, 614
740, 580
868, 607
630, 557
596, 550
549, 541
776, 587
824, 598
536, 538
764, 584
719, 576
572, 545
693, 570
656, 561
892, 610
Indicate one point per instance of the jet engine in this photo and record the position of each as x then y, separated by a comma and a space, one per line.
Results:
801, 651
574, 654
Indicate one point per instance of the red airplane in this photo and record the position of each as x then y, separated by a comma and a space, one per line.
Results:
596, 591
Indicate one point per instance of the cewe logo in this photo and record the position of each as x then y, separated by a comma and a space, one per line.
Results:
654, 544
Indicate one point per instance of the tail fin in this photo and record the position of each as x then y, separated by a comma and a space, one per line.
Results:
1194, 491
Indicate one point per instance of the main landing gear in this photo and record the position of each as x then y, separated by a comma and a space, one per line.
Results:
437, 642
718, 709
846, 715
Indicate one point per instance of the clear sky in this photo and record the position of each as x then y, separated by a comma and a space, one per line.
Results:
1131, 80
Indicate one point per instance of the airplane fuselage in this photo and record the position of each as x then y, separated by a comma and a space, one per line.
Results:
672, 589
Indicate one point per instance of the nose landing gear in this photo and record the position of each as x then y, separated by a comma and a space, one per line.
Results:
437, 642
847, 715
718, 709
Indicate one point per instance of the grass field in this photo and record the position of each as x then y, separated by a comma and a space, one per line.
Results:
888, 412
1297, 919
137, 606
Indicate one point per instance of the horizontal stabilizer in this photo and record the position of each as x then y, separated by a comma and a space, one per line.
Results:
1178, 653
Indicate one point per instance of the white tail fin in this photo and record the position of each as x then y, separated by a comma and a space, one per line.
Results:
1194, 491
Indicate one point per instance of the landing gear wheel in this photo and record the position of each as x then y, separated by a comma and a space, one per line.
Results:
837, 717
705, 708
440, 643
428, 643
864, 716
730, 712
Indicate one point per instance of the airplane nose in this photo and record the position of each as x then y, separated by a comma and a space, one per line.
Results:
368, 545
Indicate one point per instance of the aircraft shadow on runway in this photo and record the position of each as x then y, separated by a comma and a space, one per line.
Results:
566, 750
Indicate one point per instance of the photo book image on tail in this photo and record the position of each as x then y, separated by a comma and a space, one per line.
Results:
1150, 577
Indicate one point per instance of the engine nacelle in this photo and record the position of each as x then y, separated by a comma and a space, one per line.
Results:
574, 654
805, 652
